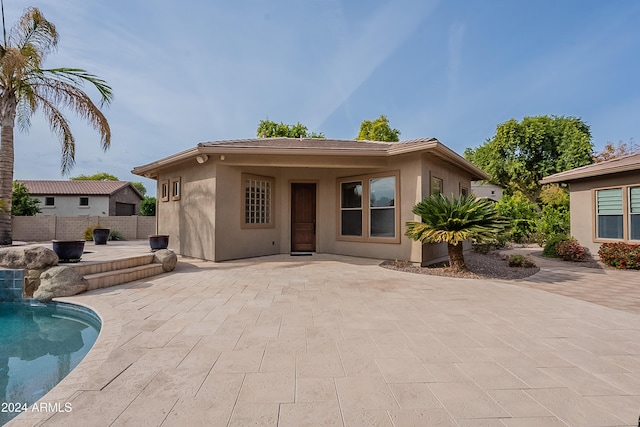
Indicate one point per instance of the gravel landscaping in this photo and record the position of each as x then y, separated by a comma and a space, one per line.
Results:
486, 266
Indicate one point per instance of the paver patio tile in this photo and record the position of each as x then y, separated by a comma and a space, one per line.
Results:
362, 418
315, 390
576, 410
268, 388
343, 340
414, 396
310, 414
467, 400
254, 414
403, 370
422, 417
364, 394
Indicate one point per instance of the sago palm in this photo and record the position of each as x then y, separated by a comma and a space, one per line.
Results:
454, 220
25, 87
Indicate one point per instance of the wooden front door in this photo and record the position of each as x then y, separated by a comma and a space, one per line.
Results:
303, 217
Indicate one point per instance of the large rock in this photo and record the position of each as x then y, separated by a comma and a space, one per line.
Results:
60, 281
31, 258
167, 258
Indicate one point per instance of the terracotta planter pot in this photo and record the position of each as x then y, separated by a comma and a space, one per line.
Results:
68, 250
101, 235
158, 241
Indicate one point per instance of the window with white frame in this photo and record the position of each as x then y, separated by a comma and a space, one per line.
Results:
634, 213
258, 201
175, 188
610, 213
368, 208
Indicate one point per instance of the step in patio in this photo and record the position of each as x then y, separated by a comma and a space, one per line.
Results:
117, 277
102, 274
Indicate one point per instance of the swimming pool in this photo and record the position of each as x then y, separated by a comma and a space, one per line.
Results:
39, 345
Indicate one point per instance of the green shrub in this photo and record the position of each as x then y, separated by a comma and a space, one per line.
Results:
116, 235
520, 213
518, 260
88, 233
551, 246
486, 246
570, 250
620, 255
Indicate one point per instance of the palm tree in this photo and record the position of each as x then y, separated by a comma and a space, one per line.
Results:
26, 87
454, 220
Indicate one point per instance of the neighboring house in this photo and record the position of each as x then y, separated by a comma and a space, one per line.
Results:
242, 198
95, 198
486, 190
605, 201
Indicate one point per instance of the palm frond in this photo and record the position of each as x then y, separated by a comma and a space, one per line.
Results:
59, 125
78, 76
34, 30
454, 220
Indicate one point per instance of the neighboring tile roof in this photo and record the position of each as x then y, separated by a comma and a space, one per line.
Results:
303, 143
83, 188
627, 163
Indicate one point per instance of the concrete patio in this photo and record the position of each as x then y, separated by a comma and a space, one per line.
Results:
332, 341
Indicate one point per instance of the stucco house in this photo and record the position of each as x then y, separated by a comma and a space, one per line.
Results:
80, 198
605, 201
243, 198
486, 190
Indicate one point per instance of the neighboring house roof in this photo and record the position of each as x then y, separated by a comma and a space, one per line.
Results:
626, 163
316, 146
81, 188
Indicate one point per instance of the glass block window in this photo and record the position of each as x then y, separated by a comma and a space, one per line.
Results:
610, 213
258, 201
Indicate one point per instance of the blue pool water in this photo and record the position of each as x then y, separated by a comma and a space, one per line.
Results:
39, 345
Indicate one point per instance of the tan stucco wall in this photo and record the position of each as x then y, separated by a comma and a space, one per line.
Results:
452, 179
190, 221
582, 199
206, 221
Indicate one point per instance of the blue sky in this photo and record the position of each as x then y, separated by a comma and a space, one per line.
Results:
185, 72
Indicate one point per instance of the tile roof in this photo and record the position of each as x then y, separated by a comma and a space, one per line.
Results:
302, 143
94, 188
626, 163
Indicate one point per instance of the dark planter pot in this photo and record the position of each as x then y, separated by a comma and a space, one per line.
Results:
158, 241
68, 250
101, 235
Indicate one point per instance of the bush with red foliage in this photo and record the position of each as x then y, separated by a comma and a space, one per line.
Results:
620, 255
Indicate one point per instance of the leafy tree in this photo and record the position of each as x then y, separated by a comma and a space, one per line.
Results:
25, 87
555, 218
612, 151
22, 204
140, 187
99, 176
520, 213
378, 130
270, 129
104, 176
454, 220
520, 154
148, 206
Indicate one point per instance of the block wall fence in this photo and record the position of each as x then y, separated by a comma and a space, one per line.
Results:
53, 227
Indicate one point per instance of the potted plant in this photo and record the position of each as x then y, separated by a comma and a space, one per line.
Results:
101, 235
68, 250
158, 241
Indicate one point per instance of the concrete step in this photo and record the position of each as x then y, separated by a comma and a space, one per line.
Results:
116, 277
119, 264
